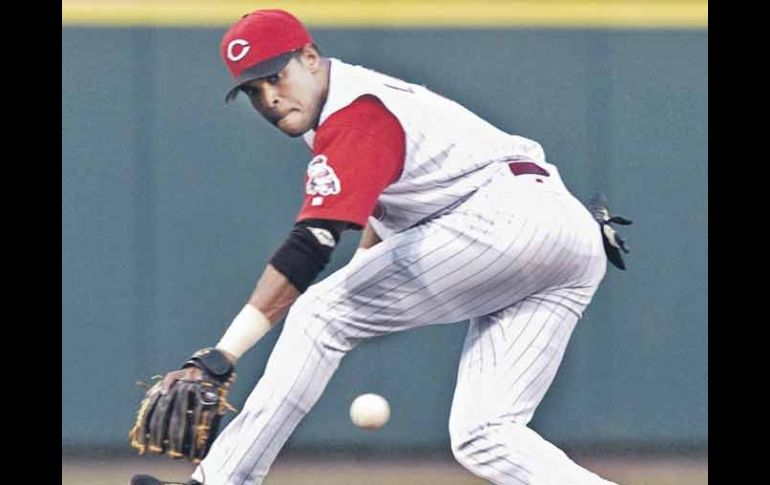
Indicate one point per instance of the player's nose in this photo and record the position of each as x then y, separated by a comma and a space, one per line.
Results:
268, 95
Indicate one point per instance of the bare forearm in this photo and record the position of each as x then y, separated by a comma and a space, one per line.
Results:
268, 303
301, 258
274, 294
369, 238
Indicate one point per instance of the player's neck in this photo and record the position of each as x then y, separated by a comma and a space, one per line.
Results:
324, 74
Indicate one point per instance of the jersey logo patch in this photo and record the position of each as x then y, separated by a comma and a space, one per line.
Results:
321, 179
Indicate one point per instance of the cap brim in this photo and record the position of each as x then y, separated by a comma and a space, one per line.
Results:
263, 69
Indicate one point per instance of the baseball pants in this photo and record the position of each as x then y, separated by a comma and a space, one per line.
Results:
521, 260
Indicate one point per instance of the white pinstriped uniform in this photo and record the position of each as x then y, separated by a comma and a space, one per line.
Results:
447, 146
463, 238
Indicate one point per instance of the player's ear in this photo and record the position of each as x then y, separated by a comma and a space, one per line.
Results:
310, 57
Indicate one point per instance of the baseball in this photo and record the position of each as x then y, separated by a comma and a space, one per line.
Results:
369, 411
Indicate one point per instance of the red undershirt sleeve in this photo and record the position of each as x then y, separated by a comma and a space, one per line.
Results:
358, 152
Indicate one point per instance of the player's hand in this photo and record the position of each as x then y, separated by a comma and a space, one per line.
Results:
179, 416
613, 243
188, 373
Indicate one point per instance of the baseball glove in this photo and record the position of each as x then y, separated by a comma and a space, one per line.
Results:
613, 243
179, 416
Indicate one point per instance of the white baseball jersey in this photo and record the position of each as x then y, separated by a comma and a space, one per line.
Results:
447, 146
477, 226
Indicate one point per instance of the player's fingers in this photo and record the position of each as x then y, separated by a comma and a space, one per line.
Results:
169, 380
141, 431
189, 373
619, 220
180, 428
158, 424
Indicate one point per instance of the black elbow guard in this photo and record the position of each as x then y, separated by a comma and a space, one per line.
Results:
305, 253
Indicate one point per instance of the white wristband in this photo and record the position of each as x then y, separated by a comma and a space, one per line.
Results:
247, 328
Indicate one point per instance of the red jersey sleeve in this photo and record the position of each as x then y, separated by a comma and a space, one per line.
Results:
358, 152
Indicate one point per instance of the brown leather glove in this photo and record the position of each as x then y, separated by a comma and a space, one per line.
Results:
179, 416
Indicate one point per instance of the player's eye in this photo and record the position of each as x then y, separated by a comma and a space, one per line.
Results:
273, 79
250, 91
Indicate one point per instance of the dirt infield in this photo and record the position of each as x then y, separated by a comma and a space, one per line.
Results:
338, 471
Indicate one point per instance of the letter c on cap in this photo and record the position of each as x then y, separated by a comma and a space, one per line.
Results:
242, 54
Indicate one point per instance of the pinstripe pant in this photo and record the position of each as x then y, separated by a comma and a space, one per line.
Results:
521, 260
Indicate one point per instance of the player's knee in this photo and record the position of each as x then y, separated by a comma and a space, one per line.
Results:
463, 445
462, 438
313, 316
473, 444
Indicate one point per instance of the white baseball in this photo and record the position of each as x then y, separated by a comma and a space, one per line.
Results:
370, 411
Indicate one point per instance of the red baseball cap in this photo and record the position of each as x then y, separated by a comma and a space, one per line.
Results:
261, 44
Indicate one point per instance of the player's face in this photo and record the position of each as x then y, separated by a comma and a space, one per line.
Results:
291, 99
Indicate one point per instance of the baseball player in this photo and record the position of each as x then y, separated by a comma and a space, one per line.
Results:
459, 220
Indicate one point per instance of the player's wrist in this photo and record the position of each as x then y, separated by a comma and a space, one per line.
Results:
231, 357
247, 328
213, 362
